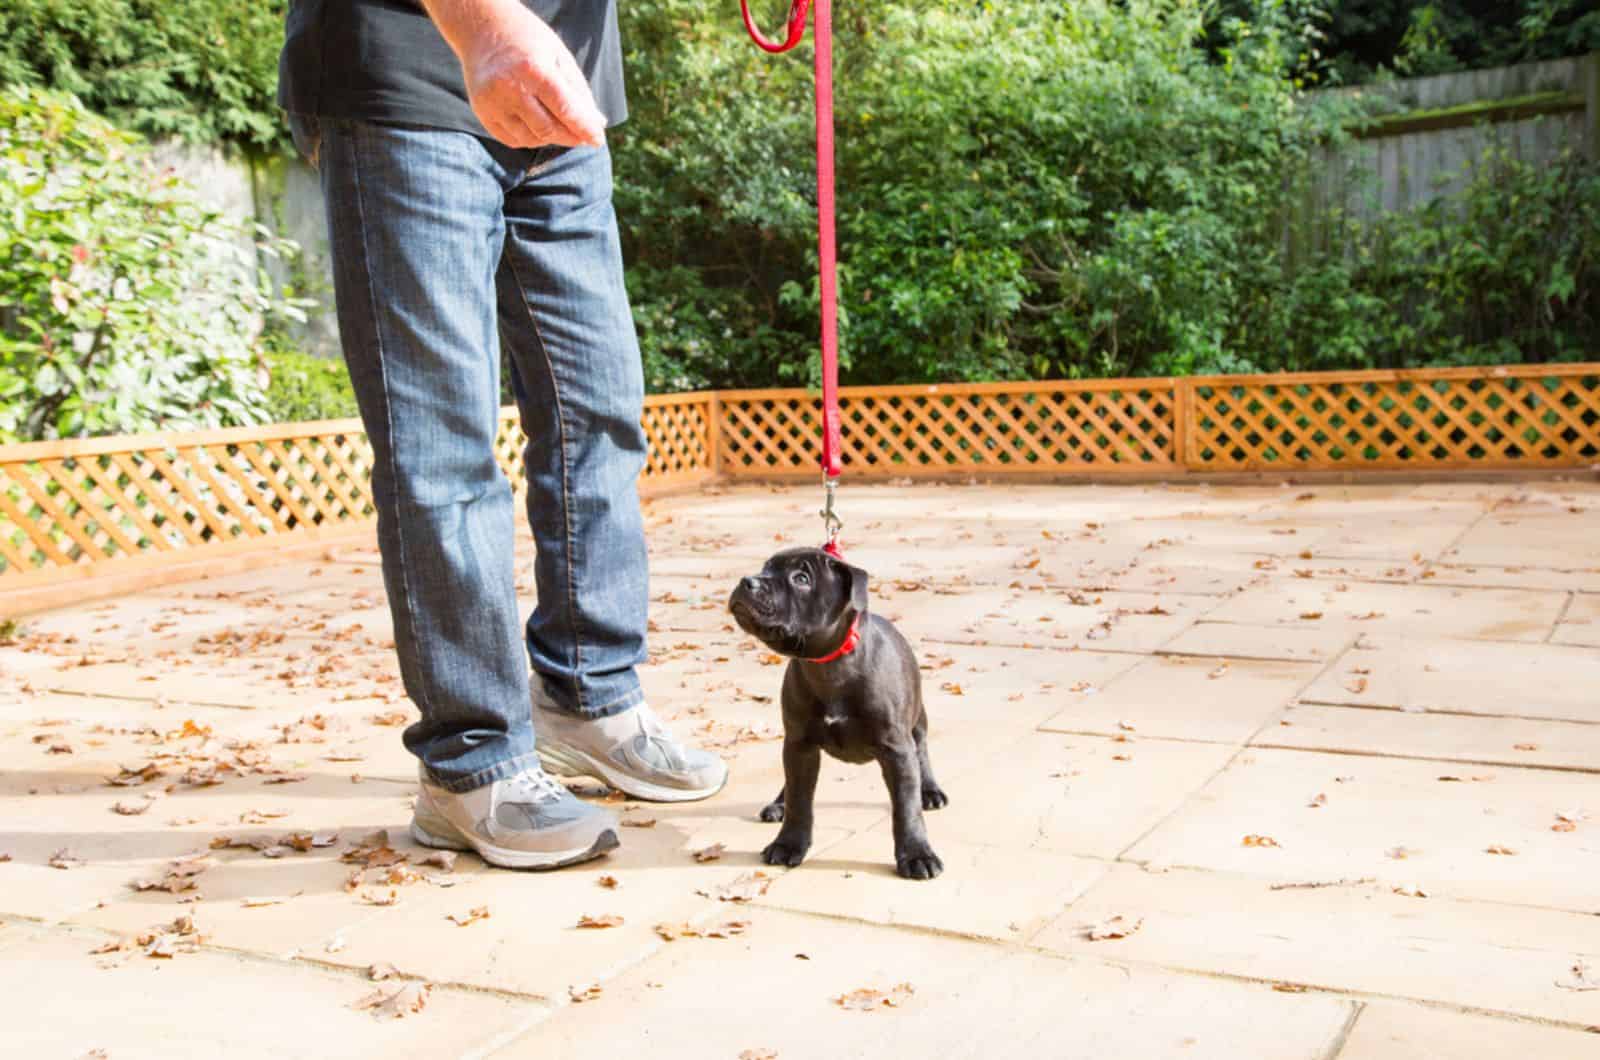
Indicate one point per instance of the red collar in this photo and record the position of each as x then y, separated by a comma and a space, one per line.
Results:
851, 639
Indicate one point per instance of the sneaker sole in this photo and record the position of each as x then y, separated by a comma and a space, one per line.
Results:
505, 858
571, 762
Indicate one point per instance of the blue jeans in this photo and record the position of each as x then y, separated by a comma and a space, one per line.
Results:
447, 248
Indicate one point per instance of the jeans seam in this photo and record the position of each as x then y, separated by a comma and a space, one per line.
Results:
388, 427
566, 487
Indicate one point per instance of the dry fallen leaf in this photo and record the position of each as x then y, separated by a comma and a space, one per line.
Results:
869, 1000
742, 889
1496, 848
580, 994
472, 916
180, 876
639, 822
396, 1002
1318, 801
608, 882
1311, 616
725, 930
441, 859
63, 859
607, 920
131, 809
1220, 671
1579, 978
1289, 988
1259, 841
381, 971
710, 853
1115, 927
1410, 890
128, 778
759, 1054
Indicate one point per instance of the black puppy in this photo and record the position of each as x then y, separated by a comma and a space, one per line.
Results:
852, 689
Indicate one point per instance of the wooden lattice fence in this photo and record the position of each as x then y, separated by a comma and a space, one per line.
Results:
144, 506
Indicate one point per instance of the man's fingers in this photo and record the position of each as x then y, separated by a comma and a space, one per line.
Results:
543, 134
542, 114
566, 96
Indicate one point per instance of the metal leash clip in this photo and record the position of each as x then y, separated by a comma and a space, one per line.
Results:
831, 524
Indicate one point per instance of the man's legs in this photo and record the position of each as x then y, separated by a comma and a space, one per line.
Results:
568, 331
416, 225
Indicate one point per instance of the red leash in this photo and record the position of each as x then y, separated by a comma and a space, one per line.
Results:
826, 259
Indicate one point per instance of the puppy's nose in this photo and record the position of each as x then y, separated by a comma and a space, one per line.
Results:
750, 585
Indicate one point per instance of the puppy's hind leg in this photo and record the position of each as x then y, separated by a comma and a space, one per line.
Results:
933, 796
773, 811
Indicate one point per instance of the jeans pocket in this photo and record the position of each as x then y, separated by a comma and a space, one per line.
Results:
306, 132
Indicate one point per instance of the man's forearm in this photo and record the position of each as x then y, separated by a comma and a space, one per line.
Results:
469, 24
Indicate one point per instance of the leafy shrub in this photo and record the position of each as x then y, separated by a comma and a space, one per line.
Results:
303, 387
1044, 190
124, 304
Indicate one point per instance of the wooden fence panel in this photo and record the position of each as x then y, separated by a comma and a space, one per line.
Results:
82, 508
1500, 419
1101, 426
76, 508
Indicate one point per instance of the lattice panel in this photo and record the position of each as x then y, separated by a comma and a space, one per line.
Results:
904, 430
680, 439
676, 427
69, 510
1447, 421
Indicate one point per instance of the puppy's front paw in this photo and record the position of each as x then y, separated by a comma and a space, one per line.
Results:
933, 797
772, 811
783, 851
919, 863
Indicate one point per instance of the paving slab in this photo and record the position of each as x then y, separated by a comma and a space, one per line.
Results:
1534, 535
1401, 822
1581, 623
768, 1001
1448, 737
991, 892
1102, 610
1360, 939
1233, 640
1087, 795
530, 942
1462, 677
1184, 698
1388, 1030
1373, 608
1561, 579
207, 1003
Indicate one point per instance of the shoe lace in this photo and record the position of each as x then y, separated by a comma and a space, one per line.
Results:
538, 785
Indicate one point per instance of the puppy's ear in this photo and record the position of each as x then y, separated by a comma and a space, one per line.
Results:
855, 579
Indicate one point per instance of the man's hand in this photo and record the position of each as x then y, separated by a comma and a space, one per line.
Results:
522, 82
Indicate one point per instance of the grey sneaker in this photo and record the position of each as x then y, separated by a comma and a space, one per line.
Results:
526, 821
632, 752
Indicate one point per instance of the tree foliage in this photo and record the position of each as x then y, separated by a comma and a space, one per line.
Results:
205, 70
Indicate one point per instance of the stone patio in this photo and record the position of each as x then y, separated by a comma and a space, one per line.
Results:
1325, 760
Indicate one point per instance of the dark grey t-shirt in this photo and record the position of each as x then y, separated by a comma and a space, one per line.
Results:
385, 60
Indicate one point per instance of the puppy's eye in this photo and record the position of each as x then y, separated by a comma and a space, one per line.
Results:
801, 578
